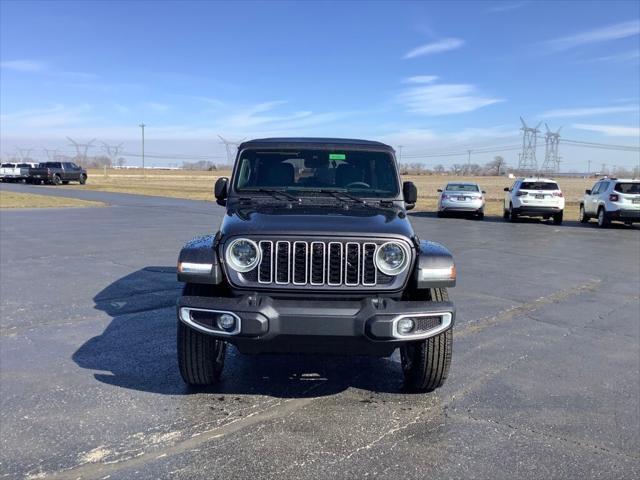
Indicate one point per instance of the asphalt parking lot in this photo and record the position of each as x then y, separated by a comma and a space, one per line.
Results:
545, 379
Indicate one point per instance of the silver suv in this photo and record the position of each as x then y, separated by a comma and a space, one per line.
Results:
612, 199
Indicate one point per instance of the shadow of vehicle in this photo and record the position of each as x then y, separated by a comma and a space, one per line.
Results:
137, 351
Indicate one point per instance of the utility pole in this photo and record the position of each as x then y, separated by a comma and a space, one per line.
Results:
142, 125
400, 153
589, 168
469, 162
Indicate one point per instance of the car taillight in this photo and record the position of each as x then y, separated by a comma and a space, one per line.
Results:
521, 194
613, 197
557, 194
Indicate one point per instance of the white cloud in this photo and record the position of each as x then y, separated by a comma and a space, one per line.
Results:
439, 46
504, 6
627, 56
589, 111
604, 34
444, 99
54, 116
121, 109
421, 79
610, 130
24, 65
156, 107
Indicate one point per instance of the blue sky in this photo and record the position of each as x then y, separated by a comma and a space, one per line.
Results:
431, 76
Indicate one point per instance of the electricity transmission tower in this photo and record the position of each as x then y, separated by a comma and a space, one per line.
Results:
81, 149
52, 153
24, 153
112, 151
231, 148
528, 162
551, 160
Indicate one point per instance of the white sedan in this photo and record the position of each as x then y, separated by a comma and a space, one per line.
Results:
462, 197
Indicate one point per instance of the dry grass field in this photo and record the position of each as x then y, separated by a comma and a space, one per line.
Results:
29, 200
198, 185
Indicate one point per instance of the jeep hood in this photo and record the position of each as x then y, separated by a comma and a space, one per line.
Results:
316, 220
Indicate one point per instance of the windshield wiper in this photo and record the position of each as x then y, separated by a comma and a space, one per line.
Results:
274, 193
337, 194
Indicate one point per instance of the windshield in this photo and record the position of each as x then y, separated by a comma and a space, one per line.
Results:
539, 186
361, 173
628, 187
460, 187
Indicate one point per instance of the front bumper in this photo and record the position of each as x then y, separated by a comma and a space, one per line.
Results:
272, 325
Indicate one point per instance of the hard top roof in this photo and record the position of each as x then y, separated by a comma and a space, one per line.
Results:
315, 142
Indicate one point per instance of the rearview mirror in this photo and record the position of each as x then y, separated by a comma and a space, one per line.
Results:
410, 194
220, 191
588, 192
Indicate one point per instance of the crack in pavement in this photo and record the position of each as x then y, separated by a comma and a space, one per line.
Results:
286, 407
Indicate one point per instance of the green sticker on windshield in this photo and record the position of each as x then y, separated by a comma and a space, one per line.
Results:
337, 156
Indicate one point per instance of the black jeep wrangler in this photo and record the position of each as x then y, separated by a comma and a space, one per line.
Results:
316, 255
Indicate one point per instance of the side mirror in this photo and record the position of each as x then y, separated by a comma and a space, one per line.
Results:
439, 190
410, 194
506, 189
588, 192
483, 191
220, 191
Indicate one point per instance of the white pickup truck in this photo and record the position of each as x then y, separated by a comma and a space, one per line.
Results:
15, 172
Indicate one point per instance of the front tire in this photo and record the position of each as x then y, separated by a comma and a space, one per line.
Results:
582, 216
425, 363
200, 356
83, 179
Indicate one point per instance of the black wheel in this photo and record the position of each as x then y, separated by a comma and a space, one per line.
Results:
513, 215
57, 180
82, 179
582, 216
200, 356
65, 182
603, 219
425, 363
440, 214
480, 215
557, 218
505, 214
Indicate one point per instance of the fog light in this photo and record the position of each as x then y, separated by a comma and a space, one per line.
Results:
226, 322
405, 326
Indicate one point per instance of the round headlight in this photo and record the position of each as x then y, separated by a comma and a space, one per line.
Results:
392, 258
243, 255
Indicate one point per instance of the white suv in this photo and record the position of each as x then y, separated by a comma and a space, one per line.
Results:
534, 197
612, 199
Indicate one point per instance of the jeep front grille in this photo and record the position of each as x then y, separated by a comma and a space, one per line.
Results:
318, 263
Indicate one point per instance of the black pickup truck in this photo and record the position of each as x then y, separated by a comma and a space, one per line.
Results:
316, 255
57, 173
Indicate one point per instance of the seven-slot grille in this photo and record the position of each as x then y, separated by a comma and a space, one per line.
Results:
319, 263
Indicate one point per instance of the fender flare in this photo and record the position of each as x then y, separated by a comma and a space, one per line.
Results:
198, 261
434, 267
